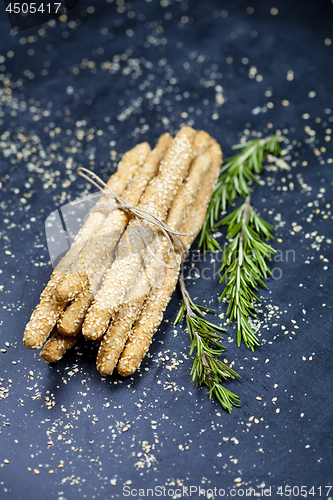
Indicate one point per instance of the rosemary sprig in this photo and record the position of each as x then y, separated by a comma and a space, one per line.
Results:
207, 368
244, 260
244, 265
236, 175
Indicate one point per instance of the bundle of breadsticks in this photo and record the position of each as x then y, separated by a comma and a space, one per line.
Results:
118, 276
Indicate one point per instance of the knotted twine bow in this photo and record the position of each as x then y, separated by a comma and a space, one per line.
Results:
173, 237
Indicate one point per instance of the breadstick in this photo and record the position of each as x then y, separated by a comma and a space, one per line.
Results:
57, 345
187, 191
107, 236
146, 325
115, 338
71, 319
152, 312
47, 311
156, 200
98, 252
113, 342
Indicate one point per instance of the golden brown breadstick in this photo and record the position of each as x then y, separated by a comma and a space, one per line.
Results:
156, 200
105, 239
71, 319
152, 312
115, 338
47, 311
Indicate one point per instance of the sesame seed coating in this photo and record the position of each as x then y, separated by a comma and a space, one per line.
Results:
187, 191
113, 342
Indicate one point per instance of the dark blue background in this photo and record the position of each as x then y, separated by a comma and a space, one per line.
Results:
123, 73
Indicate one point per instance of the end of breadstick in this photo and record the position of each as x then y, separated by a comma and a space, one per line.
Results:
29, 339
216, 151
41, 323
141, 336
202, 142
187, 131
68, 323
57, 346
71, 286
110, 349
71, 320
45, 315
96, 324
113, 342
139, 152
132, 160
129, 364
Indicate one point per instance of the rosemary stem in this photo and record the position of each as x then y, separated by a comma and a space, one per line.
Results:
189, 311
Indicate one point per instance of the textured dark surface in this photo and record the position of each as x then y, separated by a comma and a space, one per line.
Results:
168, 60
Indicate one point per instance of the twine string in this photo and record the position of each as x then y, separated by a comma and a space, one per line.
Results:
173, 237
